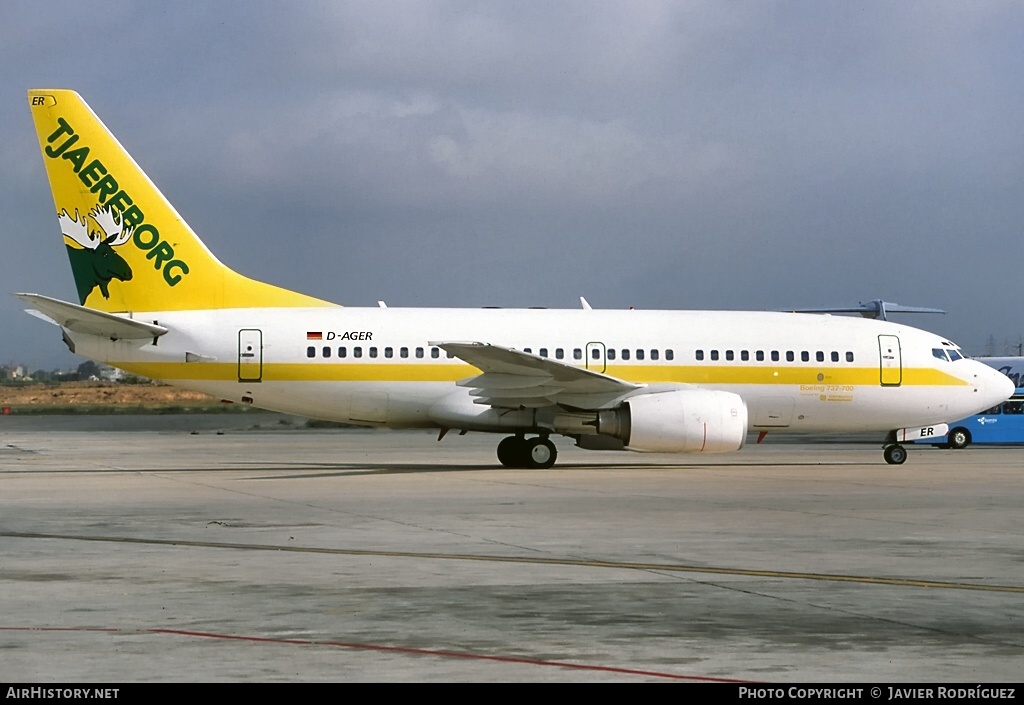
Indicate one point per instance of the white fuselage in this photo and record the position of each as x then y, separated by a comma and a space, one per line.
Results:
377, 366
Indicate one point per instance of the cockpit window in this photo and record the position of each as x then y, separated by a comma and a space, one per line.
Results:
951, 353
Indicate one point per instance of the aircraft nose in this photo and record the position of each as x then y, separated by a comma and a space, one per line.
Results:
996, 386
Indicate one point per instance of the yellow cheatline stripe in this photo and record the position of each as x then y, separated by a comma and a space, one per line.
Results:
750, 374
302, 372
620, 565
449, 372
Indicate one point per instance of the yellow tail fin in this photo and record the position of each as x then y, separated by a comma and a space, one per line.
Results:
129, 248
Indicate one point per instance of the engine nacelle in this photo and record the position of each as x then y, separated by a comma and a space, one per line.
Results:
680, 421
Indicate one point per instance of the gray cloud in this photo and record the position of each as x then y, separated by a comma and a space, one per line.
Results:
657, 154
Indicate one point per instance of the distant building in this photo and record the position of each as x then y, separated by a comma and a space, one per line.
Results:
111, 374
90, 370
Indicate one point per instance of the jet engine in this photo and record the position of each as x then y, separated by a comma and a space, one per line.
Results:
678, 421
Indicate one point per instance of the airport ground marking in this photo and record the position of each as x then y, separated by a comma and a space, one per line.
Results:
620, 565
409, 650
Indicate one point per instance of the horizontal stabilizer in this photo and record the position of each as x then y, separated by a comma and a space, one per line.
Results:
81, 319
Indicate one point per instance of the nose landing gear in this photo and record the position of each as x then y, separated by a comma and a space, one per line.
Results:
894, 454
520, 452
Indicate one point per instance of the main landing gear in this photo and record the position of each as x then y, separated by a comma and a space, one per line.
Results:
520, 452
894, 454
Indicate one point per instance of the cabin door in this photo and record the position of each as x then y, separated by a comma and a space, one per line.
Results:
595, 357
890, 361
250, 355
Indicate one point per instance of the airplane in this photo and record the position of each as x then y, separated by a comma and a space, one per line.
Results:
154, 301
876, 308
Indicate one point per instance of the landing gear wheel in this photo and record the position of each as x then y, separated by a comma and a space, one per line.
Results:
540, 453
895, 454
958, 438
512, 452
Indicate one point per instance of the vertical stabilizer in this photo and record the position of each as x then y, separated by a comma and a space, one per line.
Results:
129, 248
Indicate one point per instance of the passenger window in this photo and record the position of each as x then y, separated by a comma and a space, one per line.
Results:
700, 355
744, 355
759, 355
559, 353
528, 350
639, 354
403, 352
388, 352
357, 352
775, 355
714, 354
669, 355
654, 354
611, 353
373, 352
419, 352
835, 356
435, 353
595, 354
789, 356
326, 351
819, 356
805, 356
310, 351
625, 353
543, 352
342, 352
849, 357
728, 355
577, 354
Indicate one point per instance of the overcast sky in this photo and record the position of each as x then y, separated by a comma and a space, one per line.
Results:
751, 155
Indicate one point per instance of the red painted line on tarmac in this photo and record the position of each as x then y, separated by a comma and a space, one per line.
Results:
391, 649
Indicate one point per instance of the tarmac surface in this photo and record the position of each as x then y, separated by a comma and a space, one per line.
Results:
249, 549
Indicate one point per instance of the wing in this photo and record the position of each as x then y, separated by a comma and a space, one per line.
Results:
513, 379
88, 320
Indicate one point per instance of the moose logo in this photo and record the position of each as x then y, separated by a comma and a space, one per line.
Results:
94, 262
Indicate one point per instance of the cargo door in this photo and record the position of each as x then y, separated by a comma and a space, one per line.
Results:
773, 412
